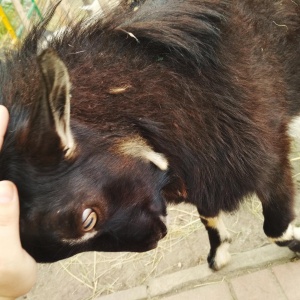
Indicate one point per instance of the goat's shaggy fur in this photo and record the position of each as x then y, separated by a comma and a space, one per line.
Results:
207, 87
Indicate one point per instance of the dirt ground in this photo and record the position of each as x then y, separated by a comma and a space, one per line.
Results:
88, 275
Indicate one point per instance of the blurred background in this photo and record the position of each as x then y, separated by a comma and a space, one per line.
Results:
17, 16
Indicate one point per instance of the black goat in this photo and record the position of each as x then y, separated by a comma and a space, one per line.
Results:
176, 101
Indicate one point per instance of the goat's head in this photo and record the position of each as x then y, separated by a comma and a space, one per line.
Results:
80, 189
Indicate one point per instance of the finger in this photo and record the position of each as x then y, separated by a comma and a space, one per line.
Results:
3, 122
16, 265
30, 273
18, 276
9, 218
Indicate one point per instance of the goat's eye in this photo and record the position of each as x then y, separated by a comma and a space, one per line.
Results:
89, 219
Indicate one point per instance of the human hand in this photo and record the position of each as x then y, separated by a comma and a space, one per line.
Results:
17, 268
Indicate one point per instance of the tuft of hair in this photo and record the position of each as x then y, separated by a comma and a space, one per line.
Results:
186, 33
138, 148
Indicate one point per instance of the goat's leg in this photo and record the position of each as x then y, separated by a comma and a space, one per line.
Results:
219, 239
278, 210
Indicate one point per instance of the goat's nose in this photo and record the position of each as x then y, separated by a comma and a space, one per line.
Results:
163, 232
158, 208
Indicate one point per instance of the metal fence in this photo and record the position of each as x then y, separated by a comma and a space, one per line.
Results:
17, 16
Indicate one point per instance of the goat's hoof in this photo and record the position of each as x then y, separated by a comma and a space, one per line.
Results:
294, 245
220, 258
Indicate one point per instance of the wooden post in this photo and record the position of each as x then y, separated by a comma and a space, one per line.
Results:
90, 2
35, 8
64, 8
105, 6
19, 8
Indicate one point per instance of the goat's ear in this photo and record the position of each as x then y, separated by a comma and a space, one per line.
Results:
57, 96
138, 148
48, 136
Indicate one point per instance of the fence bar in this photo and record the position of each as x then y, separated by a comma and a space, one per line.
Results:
35, 7
64, 8
105, 5
7, 24
19, 8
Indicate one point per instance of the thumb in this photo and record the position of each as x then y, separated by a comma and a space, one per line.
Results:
17, 268
9, 215
3, 123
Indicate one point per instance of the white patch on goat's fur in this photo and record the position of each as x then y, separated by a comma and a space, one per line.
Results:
297, 233
292, 233
137, 147
223, 256
157, 158
164, 219
294, 128
224, 234
87, 236
218, 224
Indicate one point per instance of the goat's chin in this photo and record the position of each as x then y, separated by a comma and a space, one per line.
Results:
164, 219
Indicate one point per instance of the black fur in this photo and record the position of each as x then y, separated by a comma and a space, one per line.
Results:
212, 85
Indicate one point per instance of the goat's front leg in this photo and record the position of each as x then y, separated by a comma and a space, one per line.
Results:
219, 239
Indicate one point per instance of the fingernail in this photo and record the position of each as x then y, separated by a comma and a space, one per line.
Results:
6, 192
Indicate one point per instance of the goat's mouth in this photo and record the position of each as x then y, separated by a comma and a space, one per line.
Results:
153, 242
150, 245
149, 242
